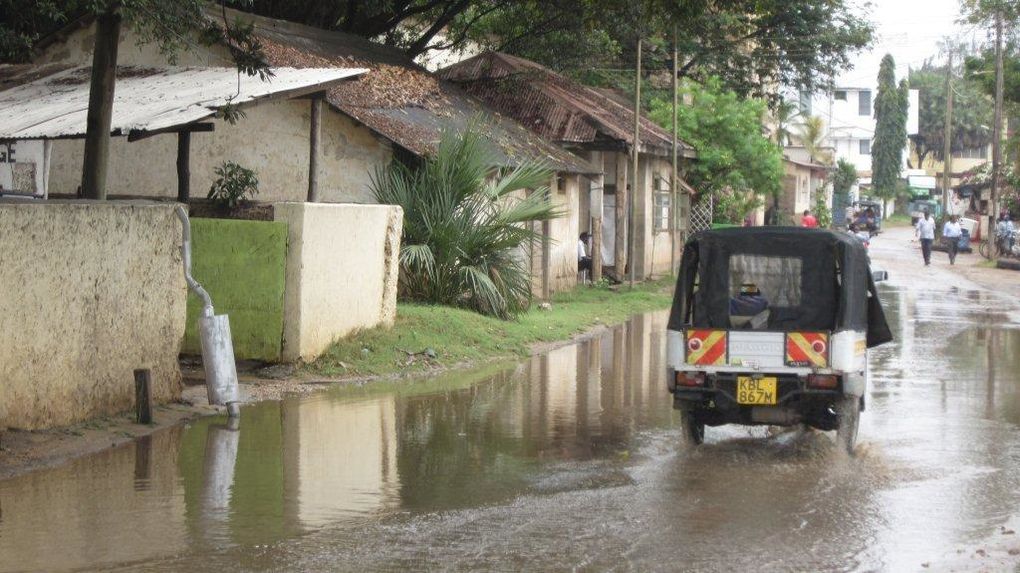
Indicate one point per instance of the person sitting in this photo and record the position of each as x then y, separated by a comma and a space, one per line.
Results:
583, 260
749, 308
859, 234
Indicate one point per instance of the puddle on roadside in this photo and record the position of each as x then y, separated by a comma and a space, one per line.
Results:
568, 460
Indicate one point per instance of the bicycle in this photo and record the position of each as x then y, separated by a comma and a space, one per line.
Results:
997, 248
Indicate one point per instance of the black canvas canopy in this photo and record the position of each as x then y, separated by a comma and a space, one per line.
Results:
815, 280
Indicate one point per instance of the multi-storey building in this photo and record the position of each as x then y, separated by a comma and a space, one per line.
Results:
849, 116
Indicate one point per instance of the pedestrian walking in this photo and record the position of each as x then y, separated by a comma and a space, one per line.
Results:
951, 233
808, 220
925, 230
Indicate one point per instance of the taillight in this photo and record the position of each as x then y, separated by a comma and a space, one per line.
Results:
822, 381
690, 379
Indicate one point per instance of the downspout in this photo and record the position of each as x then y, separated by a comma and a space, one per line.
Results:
214, 332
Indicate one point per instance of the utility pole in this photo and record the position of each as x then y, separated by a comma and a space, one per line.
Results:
95, 164
947, 155
674, 201
993, 206
631, 247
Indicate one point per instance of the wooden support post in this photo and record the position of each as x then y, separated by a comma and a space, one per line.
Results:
183, 166
143, 395
100, 113
947, 139
620, 213
595, 201
546, 259
315, 140
635, 151
674, 184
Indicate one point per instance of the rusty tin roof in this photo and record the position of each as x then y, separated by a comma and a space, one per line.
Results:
557, 108
400, 100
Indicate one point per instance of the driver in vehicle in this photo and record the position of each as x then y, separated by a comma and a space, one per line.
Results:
749, 308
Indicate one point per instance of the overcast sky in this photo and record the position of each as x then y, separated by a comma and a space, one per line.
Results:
909, 30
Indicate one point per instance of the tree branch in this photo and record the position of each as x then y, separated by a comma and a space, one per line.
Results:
449, 13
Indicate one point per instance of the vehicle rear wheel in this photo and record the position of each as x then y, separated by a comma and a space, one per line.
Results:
848, 413
693, 428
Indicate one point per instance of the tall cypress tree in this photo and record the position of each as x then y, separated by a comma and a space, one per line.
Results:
891, 105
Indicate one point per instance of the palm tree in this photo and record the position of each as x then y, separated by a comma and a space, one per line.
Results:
784, 116
463, 230
812, 136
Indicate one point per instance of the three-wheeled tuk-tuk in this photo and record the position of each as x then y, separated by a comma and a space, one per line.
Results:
772, 326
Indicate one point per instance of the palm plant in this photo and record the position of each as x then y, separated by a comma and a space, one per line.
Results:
785, 113
812, 137
464, 227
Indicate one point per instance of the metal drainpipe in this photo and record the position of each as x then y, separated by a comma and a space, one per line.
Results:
214, 332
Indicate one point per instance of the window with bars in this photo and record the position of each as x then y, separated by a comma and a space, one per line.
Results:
662, 202
864, 102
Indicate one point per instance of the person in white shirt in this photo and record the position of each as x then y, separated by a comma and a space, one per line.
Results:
583, 260
951, 233
925, 230
1005, 232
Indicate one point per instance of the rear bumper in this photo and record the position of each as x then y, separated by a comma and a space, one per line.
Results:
716, 402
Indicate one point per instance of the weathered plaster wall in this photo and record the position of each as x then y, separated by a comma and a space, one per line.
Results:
341, 272
243, 266
272, 140
564, 233
652, 249
88, 292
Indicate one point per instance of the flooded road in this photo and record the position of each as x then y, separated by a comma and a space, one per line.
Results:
567, 461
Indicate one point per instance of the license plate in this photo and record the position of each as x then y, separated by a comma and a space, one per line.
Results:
756, 391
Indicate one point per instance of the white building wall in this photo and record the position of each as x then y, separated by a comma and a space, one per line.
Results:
848, 123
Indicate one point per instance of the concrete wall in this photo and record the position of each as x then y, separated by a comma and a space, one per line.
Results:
90, 291
243, 266
342, 265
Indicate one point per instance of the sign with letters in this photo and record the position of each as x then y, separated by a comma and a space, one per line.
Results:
24, 168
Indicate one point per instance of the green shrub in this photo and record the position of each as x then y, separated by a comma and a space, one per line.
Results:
234, 184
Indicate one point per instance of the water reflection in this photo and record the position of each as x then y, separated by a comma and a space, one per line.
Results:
338, 457
565, 461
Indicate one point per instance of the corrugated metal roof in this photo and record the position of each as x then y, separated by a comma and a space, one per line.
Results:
555, 107
145, 99
400, 100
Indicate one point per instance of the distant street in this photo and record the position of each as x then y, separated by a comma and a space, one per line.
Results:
570, 461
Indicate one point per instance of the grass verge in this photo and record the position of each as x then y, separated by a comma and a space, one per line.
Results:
459, 336
897, 220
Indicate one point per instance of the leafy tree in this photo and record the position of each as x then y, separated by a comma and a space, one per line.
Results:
463, 229
736, 163
811, 135
753, 45
844, 177
891, 105
972, 114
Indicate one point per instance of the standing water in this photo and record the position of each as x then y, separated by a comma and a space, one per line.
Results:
569, 460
